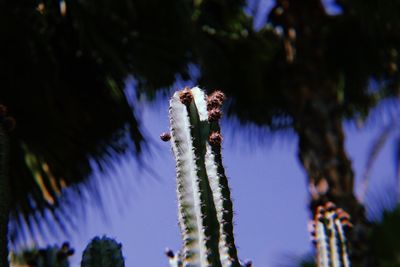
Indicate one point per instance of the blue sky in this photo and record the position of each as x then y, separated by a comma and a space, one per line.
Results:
268, 189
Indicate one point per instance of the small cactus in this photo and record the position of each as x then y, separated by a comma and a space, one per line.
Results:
329, 235
205, 207
103, 252
52, 256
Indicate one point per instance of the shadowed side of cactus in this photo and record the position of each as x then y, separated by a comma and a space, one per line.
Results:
204, 205
329, 234
52, 256
103, 252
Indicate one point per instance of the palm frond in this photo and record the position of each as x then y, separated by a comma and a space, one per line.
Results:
63, 77
377, 145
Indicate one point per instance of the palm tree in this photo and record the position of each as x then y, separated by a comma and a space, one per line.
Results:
309, 70
62, 72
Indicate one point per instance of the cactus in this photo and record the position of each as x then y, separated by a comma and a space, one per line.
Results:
52, 256
103, 252
205, 208
100, 252
204, 205
329, 235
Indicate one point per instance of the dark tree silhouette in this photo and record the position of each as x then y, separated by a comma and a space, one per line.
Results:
309, 70
63, 75
63, 71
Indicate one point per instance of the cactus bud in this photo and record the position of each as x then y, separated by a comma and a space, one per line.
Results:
215, 100
186, 96
165, 136
215, 139
214, 115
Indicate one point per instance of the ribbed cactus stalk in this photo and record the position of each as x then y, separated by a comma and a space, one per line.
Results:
52, 256
329, 233
103, 252
205, 207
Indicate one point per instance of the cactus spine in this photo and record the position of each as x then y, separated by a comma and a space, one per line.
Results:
329, 227
103, 252
205, 208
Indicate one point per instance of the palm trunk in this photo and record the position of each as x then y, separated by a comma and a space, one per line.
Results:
313, 96
4, 197
318, 123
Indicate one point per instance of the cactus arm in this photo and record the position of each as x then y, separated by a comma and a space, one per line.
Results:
188, 201
333, 239
223, 204
322, 245
342, 242
220, 188
200, 134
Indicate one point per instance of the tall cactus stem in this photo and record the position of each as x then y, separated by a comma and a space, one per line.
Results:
200, 133
204, 206
220, 187
196, 209
188, 206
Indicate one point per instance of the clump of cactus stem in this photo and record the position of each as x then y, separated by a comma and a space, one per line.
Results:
328, 232
100, 252
204, 205
205, 209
